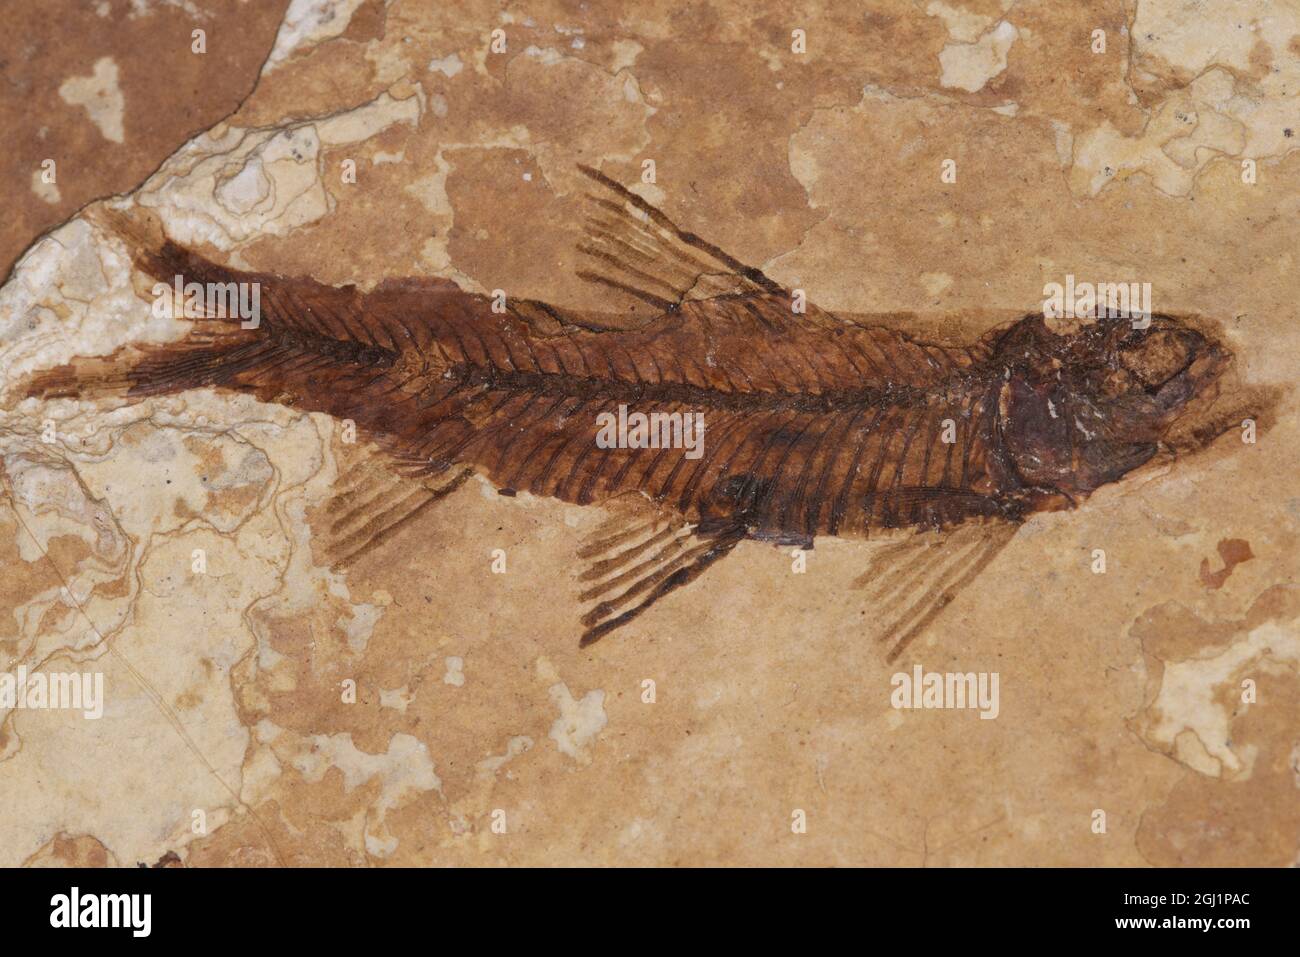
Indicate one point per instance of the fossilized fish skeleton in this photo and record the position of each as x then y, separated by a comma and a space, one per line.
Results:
791, 423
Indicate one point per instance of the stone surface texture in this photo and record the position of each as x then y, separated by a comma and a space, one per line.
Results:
227, 735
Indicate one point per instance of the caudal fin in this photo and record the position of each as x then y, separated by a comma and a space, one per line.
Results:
223, 347
213, 353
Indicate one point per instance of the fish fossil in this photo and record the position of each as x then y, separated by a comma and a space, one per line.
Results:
812, 425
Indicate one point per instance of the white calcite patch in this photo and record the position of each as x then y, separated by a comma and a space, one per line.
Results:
307, 23
177, 707
50, 502
455, 674
1184, 134
225, 188
404, 772
968, 66
1230, 108
1189, 718
964, 26
48, 192
399, 699
100, 96
448, 65
935, 283
516, 746
579, 723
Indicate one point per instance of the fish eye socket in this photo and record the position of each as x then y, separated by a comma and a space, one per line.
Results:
1112, 383
1158, 356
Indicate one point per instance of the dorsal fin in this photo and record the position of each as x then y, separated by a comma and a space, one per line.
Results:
633, 248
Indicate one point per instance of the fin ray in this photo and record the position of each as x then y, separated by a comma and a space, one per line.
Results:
679, 553
915, 580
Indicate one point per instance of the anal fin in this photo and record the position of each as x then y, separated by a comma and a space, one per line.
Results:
375, 499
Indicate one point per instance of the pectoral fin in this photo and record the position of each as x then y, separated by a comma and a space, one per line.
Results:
912, 581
